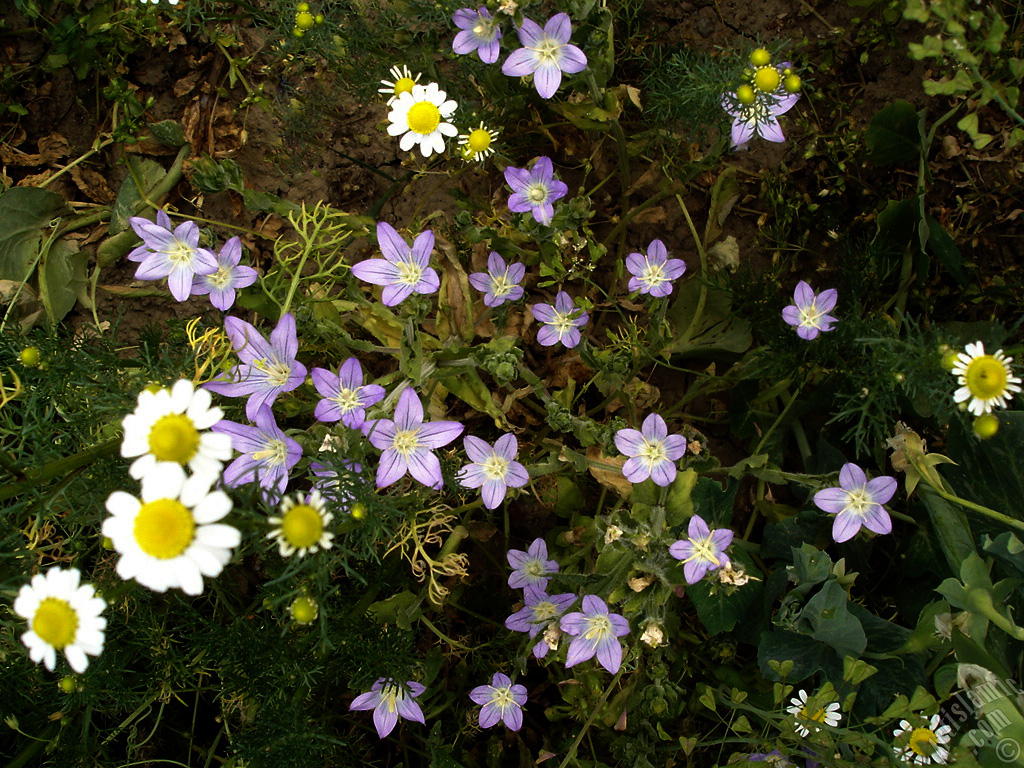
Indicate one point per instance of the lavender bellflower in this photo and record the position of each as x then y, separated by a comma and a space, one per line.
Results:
345, 397
810, 312
546, 54
268, 454
390, 700
653, 272
535, 190
174, 254
500, 701
403, 270
230, 275
857, 502
595, 631
265, 370
532, 567
499, 283
407, 443
653, 451
493, 469
479, 33
561, 322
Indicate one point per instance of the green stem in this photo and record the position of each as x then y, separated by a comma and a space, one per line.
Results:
60, 467
778, 420
702, 300
571, 755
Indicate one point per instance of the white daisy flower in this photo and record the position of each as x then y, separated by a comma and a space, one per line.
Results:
416, 116
169, 427
476, 145
301, 526
62, 616
171, 537
402, 82
807, 716
987, 381
924, 743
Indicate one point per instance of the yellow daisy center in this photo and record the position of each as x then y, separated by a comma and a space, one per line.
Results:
423, 117
818, 716
923, 742
56, 622
404, 85
174, 438
767, 79
164, 528
302, 526
479, 140
986, 377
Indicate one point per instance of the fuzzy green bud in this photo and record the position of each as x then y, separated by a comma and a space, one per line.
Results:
792, 83
760, 57
30, 357
67, 684
767, 79
745, 94
986, 425
357, 511
304, 610
302, 7
304, 20
298, 32
319, 18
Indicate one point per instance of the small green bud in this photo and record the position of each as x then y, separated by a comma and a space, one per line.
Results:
358, 511
986, 425
298, 32
302, 7
305, 20
67, 684
30, 357
745, 94
792, 83
304, 610
760, 57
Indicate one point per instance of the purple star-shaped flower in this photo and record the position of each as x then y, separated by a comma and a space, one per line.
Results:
174, 254
653, 272
535, 190
266, 369
810, 312
546, 54
390, 700
407, 442
532, 567
538, 612
345, 397
479, 33
759, 117
595, 631
268, 454
856, 502
500, 701
703, 551
653, 451
221, 285
562, 322
493, 469
499, 283
403, 270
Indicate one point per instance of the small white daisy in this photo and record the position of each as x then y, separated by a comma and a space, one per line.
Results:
987, 381
476, 145
169, 427
171, 538
807, 717
402, 82
301, 526
417, 115
924, 744
62, 616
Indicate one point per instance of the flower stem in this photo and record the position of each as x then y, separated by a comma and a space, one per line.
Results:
571, 754
702, 300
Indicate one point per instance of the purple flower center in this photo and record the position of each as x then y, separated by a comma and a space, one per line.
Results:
406, 441
277, 372
653, 274
501, 285
220, 279
347, 399
811, 315
547, 49
274, 452
409, 272
495, 467
599, 628
537, 193
859, 501
704, 551
544, 611
653, 453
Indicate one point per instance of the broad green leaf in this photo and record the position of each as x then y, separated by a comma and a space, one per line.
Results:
944, 249
951, 527
25, 211
144, 173
893, 135
829, 619
808, 655
1007, 547
720, 608
718, 330
724, 195
470, 388
62, 278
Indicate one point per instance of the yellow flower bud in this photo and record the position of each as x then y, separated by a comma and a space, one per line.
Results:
745, 94
305, 20
792, 83
767, 79
760, 57
302, 7
304, 610
67, 684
